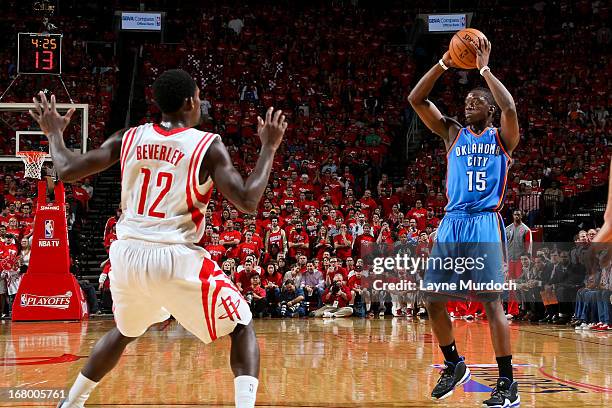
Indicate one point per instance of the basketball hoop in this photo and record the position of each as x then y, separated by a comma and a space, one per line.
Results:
33, 161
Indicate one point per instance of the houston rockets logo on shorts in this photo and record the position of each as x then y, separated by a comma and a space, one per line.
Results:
231, 308
49, 228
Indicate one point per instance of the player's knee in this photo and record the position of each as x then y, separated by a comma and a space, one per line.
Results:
120, 338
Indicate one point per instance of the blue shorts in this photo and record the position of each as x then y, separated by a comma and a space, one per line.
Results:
469, 252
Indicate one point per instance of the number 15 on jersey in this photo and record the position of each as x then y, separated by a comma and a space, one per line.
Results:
477, 179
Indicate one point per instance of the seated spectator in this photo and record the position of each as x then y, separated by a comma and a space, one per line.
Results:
360, 296
312, 283
529, 286
272, 281
256, 297
336, 299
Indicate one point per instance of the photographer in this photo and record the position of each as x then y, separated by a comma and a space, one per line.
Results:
291, 301
336, 299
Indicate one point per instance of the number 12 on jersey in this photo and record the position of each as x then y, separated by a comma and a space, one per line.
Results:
481, 180
163, 184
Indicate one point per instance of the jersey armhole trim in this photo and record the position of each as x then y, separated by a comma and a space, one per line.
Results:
126, 145
501, 143
200, 155
454, 142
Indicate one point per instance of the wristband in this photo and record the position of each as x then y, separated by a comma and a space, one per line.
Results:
442, 64
483, 69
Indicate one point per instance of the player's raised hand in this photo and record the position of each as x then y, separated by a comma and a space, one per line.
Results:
271, 130
448, 60
483, 51
49, 120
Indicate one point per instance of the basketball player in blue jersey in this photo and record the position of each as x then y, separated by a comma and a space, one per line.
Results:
478, 157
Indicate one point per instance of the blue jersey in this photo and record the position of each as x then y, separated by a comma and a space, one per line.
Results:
476, 172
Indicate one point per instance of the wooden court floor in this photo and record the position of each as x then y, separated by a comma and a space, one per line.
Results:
312, 363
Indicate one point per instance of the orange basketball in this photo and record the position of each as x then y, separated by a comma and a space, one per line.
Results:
460, 49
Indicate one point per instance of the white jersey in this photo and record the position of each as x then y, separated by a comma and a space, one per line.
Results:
161, 197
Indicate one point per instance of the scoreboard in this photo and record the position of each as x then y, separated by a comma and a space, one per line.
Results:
39, 53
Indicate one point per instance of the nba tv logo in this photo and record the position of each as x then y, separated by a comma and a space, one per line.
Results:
49, 228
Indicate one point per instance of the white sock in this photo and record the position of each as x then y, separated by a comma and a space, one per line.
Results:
368, 306
245, 387
79, 392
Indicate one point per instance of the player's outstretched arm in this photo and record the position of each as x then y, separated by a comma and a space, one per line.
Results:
427, 111
71, 166
509, 131
245, 194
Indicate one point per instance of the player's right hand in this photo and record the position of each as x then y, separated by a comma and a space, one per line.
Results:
272, 130
448, 60
49, 120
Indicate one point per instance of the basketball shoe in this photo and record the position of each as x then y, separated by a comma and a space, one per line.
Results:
453, 375
504, 395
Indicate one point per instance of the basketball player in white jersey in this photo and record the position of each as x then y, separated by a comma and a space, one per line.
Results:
167, 175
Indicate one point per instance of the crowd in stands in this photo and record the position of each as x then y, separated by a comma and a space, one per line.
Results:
344, 89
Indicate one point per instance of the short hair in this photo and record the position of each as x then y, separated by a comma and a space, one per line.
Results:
487, 94
172, 88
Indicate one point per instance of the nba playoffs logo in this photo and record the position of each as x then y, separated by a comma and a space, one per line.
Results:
158, 21
49, 228
52, 302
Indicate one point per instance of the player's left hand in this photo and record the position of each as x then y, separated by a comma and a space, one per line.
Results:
483, 51
47, 117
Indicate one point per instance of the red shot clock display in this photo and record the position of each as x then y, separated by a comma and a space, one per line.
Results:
39, 53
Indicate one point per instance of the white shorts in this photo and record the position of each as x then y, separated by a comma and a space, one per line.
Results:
151, 281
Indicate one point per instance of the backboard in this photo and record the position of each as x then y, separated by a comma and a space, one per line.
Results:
20, 132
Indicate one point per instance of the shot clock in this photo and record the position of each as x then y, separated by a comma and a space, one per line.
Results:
39, 53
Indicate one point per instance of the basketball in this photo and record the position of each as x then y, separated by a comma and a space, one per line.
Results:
461, 51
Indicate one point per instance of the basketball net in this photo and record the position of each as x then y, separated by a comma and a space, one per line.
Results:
33, 161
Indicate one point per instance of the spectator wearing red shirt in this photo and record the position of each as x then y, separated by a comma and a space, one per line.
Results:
364, 243
343, 243
110, 238
439, 203
248, 247
304, 204
287, 198
334, 267
13, 228
243, 277
419, 214
409, 227
257, 297
303, 185
358, 292
207, 237
26, 218
272, 280
256, 237
230, 238
385, 236
275, 236
387, 201
111, 221
367, 203
431, 218
299, 242
215, 249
